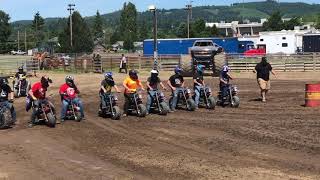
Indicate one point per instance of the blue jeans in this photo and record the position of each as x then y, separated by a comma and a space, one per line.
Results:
104, 99
150, 99
65, 104
224, 88
197, 90
174, 101
9, 105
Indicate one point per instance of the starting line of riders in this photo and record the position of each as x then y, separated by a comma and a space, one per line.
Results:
43, 111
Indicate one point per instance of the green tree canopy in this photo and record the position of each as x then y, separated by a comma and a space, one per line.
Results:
82, 39
5, 31
143, 31
317, 23
274, 22
38, 28
98, 26
128, 25
289, 25
182, 30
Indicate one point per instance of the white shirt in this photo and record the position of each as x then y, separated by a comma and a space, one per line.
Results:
124, 59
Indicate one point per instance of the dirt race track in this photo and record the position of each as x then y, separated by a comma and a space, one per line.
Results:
276, 140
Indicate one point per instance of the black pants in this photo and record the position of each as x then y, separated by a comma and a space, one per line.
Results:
124, 66
127, 99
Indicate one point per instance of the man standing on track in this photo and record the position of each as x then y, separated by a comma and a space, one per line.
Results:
263, 70
123, 64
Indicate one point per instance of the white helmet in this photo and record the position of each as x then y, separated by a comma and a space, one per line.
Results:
153, 71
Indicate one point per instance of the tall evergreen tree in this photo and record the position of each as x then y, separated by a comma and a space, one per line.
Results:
5, 31
98, 27
143, 31
82, 39
128, 25
274, 22
317, 23
199, 27
289, 25
182, 30
38, 28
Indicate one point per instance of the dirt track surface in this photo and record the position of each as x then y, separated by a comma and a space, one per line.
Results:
276, 140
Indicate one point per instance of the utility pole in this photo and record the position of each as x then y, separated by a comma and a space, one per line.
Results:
153, 9
18, 40
25, 41
71, 9
189, 9
37, 35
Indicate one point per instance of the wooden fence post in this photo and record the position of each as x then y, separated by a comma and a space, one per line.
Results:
314, 61
139, 59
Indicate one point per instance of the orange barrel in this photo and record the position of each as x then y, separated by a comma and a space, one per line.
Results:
312, 95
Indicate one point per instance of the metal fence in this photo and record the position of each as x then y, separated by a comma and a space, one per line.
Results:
87, 63
285, 63
9, 63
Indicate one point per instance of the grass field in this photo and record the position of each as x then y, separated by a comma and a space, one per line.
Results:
9, 63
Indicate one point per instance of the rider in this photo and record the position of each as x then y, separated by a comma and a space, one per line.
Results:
106, 87
130, 84
198, 82
176, 83
19, 75
153, 83
225, 77
69, 92
5, 90
37, 94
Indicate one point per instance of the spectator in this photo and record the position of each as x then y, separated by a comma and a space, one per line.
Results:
263, 70
123, 64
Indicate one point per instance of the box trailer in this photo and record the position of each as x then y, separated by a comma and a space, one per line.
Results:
281, 42
311, 43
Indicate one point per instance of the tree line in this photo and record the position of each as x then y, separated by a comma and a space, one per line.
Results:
130, 27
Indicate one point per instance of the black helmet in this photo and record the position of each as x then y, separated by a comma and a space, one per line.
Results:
20, 69
2, 81
69, 80
133, 74
45, 81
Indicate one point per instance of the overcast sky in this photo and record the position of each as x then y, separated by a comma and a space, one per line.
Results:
25, 9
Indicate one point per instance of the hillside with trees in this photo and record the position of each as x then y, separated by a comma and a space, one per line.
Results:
109, 28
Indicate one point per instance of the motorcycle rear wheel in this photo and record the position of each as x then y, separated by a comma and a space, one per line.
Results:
51, 120
5, 119
116, 113
141, 110
191, 105
164, 108
211, 103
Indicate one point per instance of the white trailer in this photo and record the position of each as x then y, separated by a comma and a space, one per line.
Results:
278, 42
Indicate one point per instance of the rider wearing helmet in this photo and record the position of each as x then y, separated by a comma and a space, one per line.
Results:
225, 77
37, 95
175, 82
5, 90
153, 85
69, 92
198, 82
106, 87
19, 75
131, 84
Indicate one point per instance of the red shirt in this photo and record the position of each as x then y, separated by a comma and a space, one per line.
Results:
71, 92
38, 91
